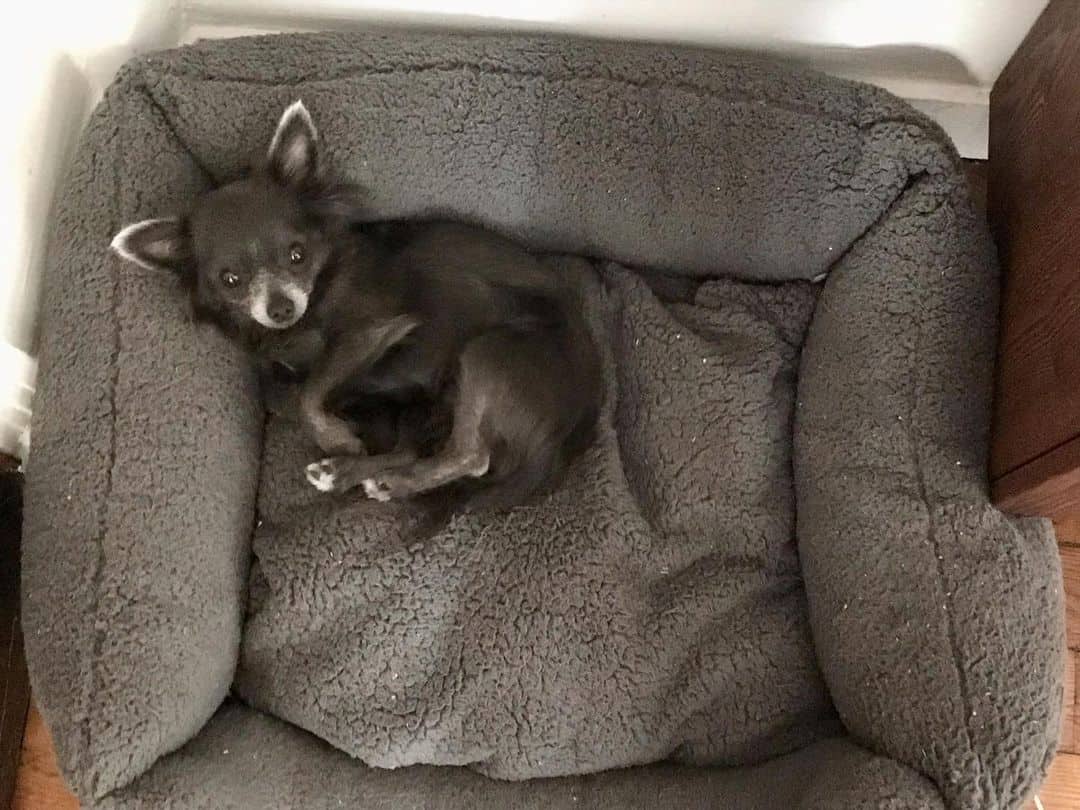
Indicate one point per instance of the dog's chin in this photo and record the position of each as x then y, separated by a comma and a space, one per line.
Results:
279, 326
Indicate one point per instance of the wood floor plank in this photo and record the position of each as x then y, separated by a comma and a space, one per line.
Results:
39, 785
1061, 790
1070, 742
1070, 569
1068, 530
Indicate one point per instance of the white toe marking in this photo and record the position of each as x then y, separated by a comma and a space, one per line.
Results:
320, 476
481, 467
374, 491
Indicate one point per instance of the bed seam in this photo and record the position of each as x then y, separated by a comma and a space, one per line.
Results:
932, 535
652, 84
98, 574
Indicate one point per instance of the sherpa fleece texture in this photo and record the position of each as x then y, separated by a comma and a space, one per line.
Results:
935, 622
651, 607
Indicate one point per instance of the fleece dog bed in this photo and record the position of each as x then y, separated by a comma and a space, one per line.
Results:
774, 580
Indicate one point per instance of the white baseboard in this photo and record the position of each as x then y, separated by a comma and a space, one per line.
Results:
17, 373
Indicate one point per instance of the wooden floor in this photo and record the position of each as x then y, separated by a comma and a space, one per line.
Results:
38, 785
1062, 788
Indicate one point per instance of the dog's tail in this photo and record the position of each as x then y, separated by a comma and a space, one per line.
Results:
520, 476
528, 475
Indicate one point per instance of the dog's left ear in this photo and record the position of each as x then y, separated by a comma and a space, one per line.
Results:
156, 244
293, 156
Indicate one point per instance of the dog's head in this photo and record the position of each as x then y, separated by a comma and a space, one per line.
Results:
250, 251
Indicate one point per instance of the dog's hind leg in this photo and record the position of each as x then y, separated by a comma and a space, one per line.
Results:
426, 475
466, 453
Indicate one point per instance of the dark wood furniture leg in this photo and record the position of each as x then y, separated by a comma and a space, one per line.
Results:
1034, 208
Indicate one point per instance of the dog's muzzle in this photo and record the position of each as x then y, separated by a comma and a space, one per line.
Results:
274, 305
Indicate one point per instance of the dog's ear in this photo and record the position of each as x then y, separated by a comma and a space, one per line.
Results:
293, 154
156, 244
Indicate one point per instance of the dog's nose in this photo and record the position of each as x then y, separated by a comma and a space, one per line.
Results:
281, 308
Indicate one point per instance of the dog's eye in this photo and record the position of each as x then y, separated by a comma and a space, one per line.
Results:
296, 254
230, 279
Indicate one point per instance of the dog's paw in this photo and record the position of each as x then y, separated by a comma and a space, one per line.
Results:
377, 489
322, 475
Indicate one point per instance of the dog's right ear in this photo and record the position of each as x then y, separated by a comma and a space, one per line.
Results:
293, 153
156, 244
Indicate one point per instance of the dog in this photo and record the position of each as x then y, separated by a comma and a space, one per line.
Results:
442, 316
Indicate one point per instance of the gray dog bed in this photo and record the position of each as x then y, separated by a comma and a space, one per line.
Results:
774, 581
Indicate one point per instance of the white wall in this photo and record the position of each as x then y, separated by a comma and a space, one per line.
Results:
979, 34
57, 58
943, 55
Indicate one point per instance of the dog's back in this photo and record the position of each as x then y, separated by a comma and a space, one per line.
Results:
503, 340
459, 281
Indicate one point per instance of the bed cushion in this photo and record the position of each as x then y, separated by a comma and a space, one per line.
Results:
931, 621
651, 607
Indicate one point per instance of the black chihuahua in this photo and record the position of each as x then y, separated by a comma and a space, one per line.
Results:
443, 316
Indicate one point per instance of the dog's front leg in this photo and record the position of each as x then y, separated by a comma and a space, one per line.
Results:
343, 473
353, 355
331, 433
